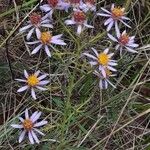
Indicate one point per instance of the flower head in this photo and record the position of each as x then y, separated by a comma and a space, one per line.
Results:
54, 5
33, 81
45, 41
102, 60
79, 18
124, 41
29, 126
104, 81
116, 14
34, 24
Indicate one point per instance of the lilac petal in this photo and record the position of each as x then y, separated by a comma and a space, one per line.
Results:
23, 29
108, 21
125, 23
105, 84
103, 72
36, 49
112, 6
31, 43
26, 74
117, 46
47, 51
33, 115
93, 63
90, 56
33, 93
21, 119
37, 73
70, 22
112, 38
130, 50
56, 37
36, 117
95, 51
132, 45
79, 29
100, 84
47, 25
38, 33
117, 29
112, 63
106, 10
41, 123
125, 18
110, 83
21, 80
22, 135
30, 34
41, 88
23, 88
38, 131
104, 15
111, 68
17, 126
35, 137
30, 137
26, 114
57, 41
110, 26
42, 77
45, 8
88, 26
106, 50
44, 82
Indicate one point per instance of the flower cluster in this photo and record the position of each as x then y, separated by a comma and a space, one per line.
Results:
103, 60
40, 28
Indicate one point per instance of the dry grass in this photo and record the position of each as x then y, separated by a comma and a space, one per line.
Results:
80, 115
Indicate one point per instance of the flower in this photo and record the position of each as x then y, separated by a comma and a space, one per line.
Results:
45, 41
103, 60
34, 24
124, 41
80, 19
104, 81
53, 5
33, 81
89, 5
116, 14
29, 126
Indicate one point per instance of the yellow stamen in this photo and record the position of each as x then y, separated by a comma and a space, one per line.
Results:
27, 124
117, 12
103, 59
45, 37
32, 80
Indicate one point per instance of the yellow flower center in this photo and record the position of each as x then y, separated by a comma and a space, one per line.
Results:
117, 12
124, 39
27, 124
45, 37
103, 59
32, 80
